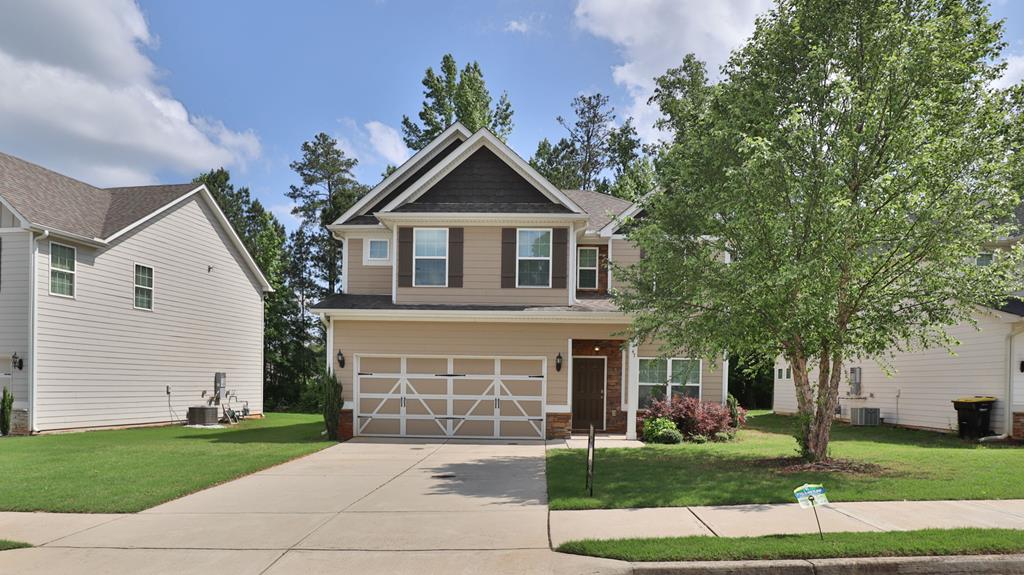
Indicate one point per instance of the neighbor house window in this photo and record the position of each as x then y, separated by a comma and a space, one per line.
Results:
983, 259
430, 257
143, 287
62, 270
377, 251
586, 276
661, 378
533, 258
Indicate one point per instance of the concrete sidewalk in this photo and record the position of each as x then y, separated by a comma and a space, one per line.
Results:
756, 520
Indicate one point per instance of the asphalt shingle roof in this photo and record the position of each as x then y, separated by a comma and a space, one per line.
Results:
56, 201
383, 302
600, 208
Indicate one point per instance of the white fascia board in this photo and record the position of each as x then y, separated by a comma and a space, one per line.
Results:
483, 138
477, 219
74, 238
609, 229
476, 316
399, 175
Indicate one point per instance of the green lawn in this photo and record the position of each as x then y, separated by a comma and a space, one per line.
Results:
133, 469
5, 545
915, 465
894, 544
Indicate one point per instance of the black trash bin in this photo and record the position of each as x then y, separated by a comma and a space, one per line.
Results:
974, 416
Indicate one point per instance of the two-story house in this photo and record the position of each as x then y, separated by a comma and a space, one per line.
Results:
476, 304
118, 305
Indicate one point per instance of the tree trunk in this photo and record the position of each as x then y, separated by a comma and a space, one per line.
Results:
816, 406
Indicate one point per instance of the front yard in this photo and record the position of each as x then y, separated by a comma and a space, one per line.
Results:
760, 467
130, 470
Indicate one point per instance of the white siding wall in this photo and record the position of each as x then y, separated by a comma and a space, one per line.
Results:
927, 381
14, 308
8, 219
101, 362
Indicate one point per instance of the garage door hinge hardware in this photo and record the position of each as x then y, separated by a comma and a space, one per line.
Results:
365, 373
537, 376
449, 375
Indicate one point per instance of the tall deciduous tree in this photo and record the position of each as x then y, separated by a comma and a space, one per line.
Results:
851, 162
456, 95
328, 189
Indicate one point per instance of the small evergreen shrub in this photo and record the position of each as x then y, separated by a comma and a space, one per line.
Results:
655, 426
6, 403
723, 436
668, 436
698, 438
330, 403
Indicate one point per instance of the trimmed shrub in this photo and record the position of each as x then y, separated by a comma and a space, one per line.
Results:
669, 436
723, 436
654, 426
737, 414
694, 417
698, 438
330, 403
6, 403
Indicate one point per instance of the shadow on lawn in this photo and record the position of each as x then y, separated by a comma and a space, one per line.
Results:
294, 433
786, 425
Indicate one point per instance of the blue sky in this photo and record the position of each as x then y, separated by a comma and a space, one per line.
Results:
121, 93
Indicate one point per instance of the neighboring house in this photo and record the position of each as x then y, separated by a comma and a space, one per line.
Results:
120, 304
918, 392
476, 304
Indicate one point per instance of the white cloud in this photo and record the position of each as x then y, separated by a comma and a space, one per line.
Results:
387, 142
1014, 72
84, 99
284, 214
526, 25
654, 35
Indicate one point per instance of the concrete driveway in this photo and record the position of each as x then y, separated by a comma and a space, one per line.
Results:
364, 506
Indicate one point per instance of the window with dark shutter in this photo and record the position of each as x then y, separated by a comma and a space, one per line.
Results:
404, 257
560, 258
508, 257
455, 242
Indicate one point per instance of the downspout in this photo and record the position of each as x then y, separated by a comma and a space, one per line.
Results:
33, 327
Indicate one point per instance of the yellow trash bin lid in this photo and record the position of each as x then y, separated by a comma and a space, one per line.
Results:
975, 399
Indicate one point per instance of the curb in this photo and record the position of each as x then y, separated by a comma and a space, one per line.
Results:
948, 565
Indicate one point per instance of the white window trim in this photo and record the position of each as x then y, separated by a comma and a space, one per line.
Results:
152, 289
415, 232
596, 268
74, 274
668, 376
371, 261
549, 258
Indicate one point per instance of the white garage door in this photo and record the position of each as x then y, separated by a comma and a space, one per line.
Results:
450, 396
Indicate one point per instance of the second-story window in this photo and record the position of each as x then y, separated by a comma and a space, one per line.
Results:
533, 258
143, 287
377, 251
430, 257
586, 277
62, 270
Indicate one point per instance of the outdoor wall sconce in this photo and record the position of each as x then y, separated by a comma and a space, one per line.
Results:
341, 359
17, 362
558, 362
1021, 367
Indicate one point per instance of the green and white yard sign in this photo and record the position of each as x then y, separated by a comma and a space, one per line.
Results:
812, 495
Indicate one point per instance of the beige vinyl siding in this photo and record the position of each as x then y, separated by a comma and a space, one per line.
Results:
101, 362
710, 373
928, 380
623, 254
366, 279
8, 219
466, 339
15, 265
482, 278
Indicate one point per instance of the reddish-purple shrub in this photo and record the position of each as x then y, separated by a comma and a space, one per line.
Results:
694, 417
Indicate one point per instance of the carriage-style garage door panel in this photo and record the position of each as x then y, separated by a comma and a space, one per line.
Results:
450, 396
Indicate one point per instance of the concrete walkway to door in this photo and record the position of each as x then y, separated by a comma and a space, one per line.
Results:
364, 506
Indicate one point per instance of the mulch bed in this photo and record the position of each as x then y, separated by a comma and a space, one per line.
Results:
798, 465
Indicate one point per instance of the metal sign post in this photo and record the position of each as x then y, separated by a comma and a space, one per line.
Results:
812, 495
591, 441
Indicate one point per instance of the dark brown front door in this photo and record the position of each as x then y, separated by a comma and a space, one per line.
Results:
588, 392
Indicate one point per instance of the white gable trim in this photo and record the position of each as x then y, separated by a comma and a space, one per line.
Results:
609, 229
21, 219
446, 137
483, 138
